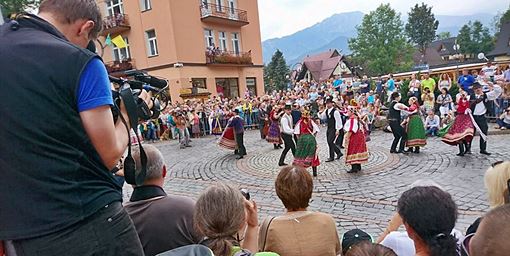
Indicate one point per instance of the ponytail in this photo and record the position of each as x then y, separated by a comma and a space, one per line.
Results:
442, 245
221, 246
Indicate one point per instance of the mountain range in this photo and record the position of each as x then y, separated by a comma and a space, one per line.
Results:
335, 31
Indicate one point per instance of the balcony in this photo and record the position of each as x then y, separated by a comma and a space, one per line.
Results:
115, 24
223, 15
228, 58
120, 65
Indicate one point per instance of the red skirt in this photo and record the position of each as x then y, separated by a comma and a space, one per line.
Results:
461, 129
228, 139
356, 148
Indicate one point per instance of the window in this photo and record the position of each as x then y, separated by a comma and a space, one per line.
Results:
122, 54
232, 6
152, 43
223, 41
199, 82
114, 7
146, 5
209, 38
236, 46
227, 87
251, 85
219, 6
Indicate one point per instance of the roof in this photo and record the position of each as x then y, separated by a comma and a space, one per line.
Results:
444, 46
322, 56
502, 46
431, 57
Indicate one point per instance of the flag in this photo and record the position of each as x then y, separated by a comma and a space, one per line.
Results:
119, 42
108, 40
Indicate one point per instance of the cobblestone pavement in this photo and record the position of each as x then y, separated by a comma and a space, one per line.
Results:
366, 200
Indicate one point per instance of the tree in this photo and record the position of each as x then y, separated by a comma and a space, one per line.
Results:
474, 38
276, 72
500, 19
444, 35
10, 7
421, 26
381, 43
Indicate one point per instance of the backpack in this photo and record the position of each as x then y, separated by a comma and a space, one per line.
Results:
189, 250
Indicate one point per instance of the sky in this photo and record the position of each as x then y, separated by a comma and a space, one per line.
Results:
283, 17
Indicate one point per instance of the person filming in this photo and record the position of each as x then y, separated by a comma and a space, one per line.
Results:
58, 139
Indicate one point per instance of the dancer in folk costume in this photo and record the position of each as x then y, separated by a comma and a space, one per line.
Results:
355, 142
233, 136
216, 124
274, 133
416, 136
462, 130
306, 152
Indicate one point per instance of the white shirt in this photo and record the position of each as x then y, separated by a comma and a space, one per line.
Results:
338, 118
480, 108
355, 125
286, 124
489, 70
297, 129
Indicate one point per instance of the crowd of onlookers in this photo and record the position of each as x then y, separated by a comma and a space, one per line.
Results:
437, 96
225, 219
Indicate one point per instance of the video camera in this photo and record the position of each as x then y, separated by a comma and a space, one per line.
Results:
129, 91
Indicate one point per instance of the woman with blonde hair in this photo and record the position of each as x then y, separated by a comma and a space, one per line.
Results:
227, 220
497, 179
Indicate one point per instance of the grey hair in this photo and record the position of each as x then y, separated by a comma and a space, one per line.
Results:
155, 162
69, 11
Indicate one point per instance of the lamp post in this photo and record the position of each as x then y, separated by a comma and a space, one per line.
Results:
456, 48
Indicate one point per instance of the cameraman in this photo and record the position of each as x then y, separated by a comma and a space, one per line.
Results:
58, 141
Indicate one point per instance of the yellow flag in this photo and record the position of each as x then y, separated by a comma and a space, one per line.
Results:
119, 42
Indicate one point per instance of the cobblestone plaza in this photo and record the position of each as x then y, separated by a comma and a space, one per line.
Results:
366, 200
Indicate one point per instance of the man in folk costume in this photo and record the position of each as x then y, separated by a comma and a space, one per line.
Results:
355, 142
306, 152
394, 119
182, 129
287, 131
480, 104
334, 131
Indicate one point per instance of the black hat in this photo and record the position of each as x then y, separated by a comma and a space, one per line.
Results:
329, 99
288, 106
236, 110
476, 85
352, 237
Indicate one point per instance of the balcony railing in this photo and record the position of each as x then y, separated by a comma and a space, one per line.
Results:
115, 24
120, 65
223, 14
228, 57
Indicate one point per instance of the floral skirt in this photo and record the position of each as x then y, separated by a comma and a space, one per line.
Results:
306, 152
356, 148
461, 129
416, 132
273, 134
228, 139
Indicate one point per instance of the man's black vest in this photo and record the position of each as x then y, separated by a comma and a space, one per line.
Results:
393, 115
331, 120
51, 176
488, 105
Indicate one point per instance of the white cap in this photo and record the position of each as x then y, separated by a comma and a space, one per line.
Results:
400, 243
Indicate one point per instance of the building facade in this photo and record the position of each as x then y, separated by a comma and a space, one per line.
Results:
213, 45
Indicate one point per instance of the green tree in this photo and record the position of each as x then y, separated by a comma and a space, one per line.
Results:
474, 38
276, 72
444, 35
500, 19
10, 7
421, 26
381, 43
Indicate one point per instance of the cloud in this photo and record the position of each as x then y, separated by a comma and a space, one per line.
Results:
284, 17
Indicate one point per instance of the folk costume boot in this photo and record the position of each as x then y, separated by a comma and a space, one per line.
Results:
467, 145
314, 171
461, 150
416, 150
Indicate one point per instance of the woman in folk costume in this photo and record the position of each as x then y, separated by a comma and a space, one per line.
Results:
355, 143
462, 130
306, 151
228, 138
416, 136
274, 133
216, 124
